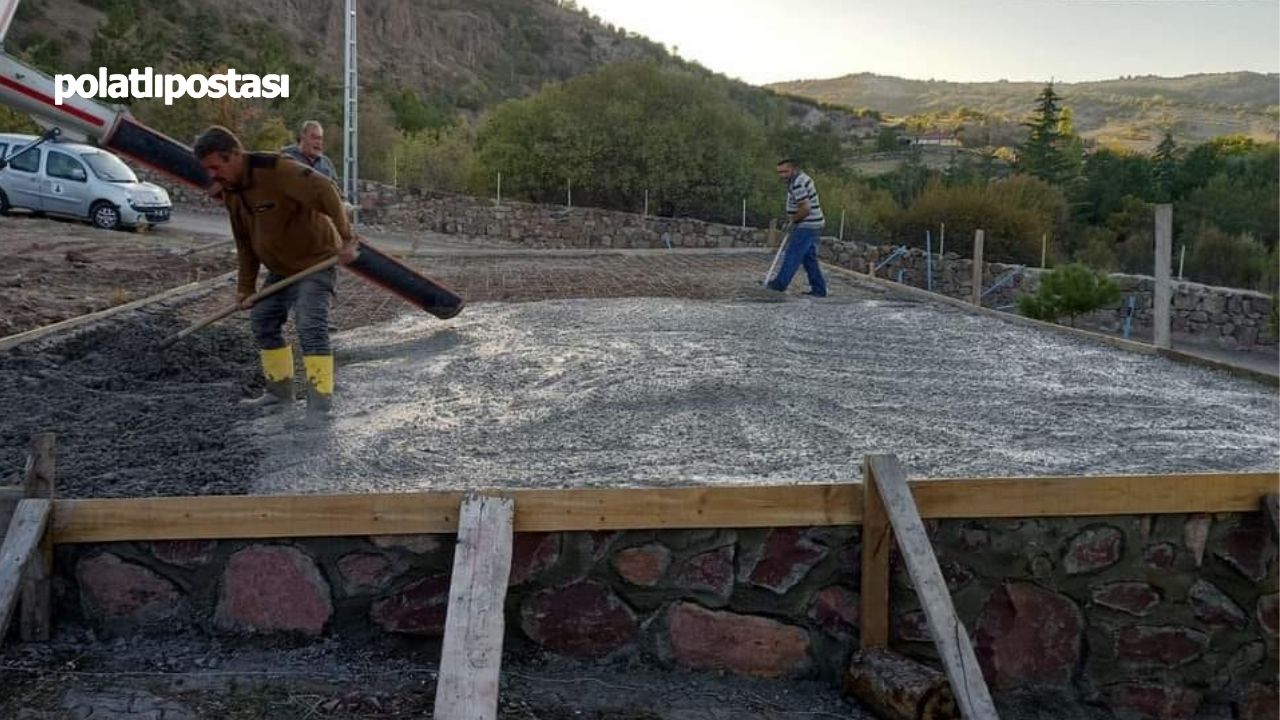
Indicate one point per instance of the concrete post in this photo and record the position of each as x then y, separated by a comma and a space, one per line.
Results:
977, 267
1164, 288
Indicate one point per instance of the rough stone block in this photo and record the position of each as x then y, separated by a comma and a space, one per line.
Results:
836, 610
645, 565
1093, 549
1161, 555
112, 590
743, 644
1151, 701
1268, 614
582, 620
782, 561
366, 572
1214, 607
1027, 634
184, 553
1247, 547
1160, 646
709, 572
273, 588
1134, 598
531, 554
419, 609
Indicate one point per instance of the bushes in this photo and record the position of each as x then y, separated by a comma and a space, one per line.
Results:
1069, 290
1014, 214
1218, 258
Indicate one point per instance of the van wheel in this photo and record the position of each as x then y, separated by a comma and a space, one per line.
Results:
4, 203
104, 215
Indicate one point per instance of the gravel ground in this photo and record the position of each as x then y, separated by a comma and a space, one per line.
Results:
672, 392
608, 388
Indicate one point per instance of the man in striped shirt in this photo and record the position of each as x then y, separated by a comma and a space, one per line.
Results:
805, 212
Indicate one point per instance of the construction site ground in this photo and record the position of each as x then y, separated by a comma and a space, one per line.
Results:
568, 368
52, 270
609, 368
78, 677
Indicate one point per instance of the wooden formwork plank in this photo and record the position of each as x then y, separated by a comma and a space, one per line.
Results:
37, 584
214, 517
1093, 496
274, 516
471, 657
877, 545
21, 544
12, 341
949, 634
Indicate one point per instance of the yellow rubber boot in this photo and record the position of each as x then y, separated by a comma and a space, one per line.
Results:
319, 383
277, 370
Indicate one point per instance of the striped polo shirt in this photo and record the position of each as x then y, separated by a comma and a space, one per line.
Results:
801, 189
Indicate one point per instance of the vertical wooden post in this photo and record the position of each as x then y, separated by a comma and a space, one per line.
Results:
977, 267
1044, 249
645, 212
877, 543
942, 240
949, 634
37, 595
499, 199
1164, 288
842, 225
471, 658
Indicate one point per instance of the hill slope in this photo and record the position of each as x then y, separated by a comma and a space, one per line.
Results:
1127, 111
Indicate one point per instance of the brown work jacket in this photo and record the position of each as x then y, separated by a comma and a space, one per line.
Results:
283, 215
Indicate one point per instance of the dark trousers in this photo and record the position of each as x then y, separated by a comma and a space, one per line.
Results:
310, 299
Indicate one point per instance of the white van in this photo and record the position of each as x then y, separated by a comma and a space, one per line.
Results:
80, 181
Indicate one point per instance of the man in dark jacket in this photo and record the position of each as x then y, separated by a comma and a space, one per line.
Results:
288, 217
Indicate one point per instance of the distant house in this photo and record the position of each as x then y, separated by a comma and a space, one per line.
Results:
939, 139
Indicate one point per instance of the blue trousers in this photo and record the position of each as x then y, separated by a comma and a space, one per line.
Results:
310, 298
802, 249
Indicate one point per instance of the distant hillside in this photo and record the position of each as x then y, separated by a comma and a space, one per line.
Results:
455, 55
1131, 112
477, 51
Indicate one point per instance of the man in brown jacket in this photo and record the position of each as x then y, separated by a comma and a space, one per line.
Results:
287, 217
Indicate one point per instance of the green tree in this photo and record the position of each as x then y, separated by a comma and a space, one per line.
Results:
627, 128
1041, 155
128, 38
1069, 290
1164, 169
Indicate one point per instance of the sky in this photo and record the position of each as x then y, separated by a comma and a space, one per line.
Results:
763, 41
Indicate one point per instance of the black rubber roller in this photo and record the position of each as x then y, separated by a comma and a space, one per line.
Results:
157, 150
415, 288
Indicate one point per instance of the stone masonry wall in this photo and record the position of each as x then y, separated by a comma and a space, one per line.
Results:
1153, 616
1219, 316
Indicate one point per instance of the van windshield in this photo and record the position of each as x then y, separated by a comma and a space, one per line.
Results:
109, 167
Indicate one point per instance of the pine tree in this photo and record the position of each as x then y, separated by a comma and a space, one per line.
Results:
1164, 169
1041, 155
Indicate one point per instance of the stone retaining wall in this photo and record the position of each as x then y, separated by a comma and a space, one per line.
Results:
1219, 316
1223, 317
1154, 616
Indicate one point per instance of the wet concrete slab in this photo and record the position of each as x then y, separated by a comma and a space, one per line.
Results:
661, 391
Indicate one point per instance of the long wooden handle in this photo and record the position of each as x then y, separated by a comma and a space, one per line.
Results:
250, 301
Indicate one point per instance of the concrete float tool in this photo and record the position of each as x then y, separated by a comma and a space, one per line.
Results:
32, 92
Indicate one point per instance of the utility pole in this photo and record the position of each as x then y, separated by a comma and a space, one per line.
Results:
350, 112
